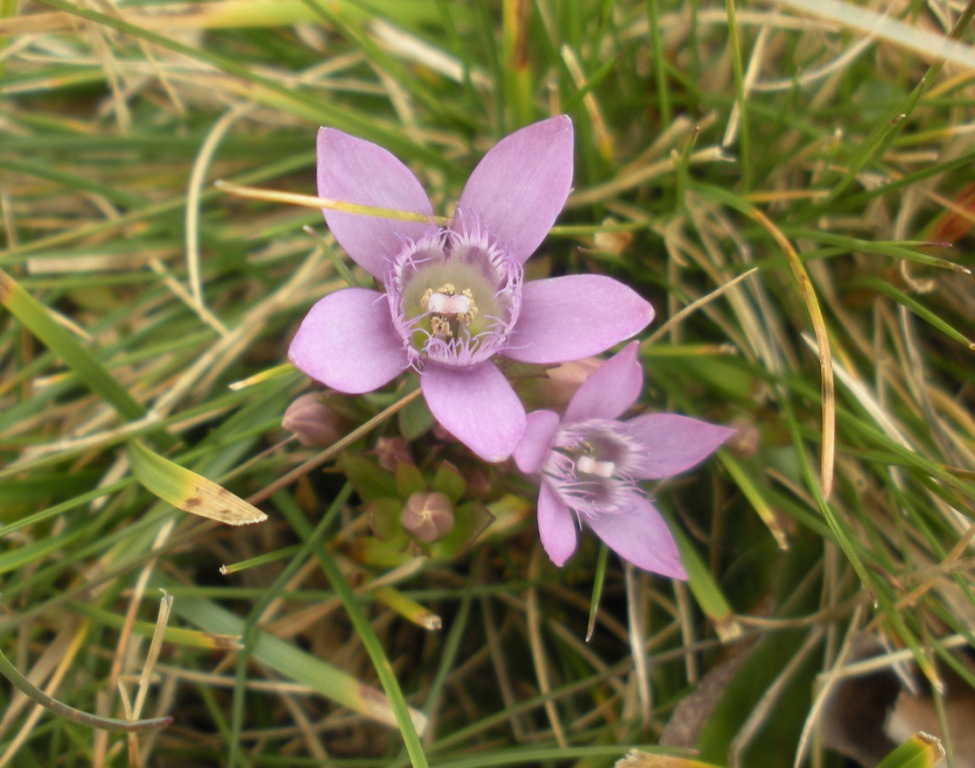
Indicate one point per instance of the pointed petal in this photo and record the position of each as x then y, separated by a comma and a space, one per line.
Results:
477, 406
673, 443
610, 389
640, 536
556, 526
566, 318
352, 170
520, 186
347, 342
536, 445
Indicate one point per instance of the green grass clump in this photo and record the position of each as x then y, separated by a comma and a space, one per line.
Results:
789, 183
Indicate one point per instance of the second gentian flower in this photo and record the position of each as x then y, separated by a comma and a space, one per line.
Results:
454, 296
590, 464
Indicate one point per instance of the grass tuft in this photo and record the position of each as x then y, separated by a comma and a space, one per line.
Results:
788, 182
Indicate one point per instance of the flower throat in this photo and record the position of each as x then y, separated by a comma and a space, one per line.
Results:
455, 297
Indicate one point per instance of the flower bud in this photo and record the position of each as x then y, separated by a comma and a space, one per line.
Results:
392, 451
613, 243
481, 484
313, 421
746, 441
560, 383
428, 516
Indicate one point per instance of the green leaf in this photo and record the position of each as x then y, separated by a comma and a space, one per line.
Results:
916, 307
66, 347
919, 751
704, 588
598, 581
283, 657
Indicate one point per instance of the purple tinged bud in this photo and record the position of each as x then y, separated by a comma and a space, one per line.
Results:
565, 379
613, 243
393, 451
313, 421
428, 516
556, 388
480, 484
746, 441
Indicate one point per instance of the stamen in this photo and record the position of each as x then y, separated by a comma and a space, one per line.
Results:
440, 326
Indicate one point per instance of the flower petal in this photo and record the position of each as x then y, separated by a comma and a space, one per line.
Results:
673, 443
536, 445
610, 389
556, 526
353, 170
347, 342
640, 536
521, 184
477, 406
566, 318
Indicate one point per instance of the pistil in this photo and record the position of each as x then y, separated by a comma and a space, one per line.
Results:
588, 465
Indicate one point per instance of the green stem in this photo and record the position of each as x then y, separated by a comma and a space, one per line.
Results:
659, 63
739, 71
35, 694
368, 637
334, 449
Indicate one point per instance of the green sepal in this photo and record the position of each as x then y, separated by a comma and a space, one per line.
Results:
384, 519
409, 480
449, 481
470, 521
371, 482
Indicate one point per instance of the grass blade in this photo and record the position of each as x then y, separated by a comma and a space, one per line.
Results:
188, 491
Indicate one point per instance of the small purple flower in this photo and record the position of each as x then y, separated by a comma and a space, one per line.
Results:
590, 464
455, 296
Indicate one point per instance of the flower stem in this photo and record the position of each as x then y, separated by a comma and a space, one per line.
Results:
335, 448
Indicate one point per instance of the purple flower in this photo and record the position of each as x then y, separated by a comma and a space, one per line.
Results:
454, 296
590, 463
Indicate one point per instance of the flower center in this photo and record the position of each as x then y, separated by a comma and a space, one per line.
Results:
590, 465
454, 296
447, 305
445, 300
587, 465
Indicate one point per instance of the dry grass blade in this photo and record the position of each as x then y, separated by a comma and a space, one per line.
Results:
636, 758
309, 201
921, 41
828, 450
539, 656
